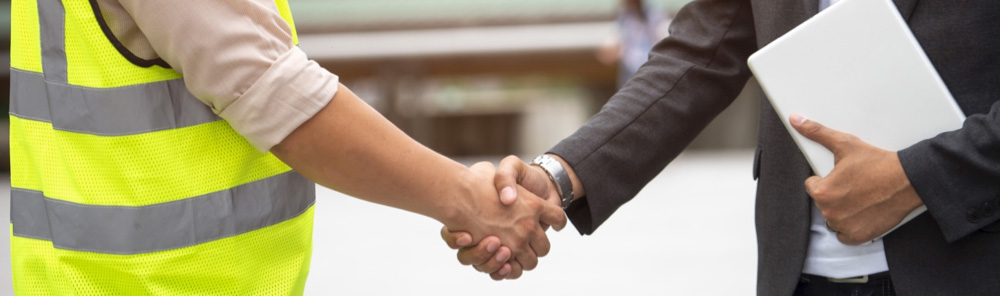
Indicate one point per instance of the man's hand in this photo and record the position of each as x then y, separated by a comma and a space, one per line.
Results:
520, 225
513, 172
866, 194
488, 256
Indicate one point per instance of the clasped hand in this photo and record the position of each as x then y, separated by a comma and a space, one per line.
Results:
510, 234
494, 255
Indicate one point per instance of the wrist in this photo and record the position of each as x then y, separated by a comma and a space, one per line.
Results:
558, 179
578, 190
911, 199
454, 207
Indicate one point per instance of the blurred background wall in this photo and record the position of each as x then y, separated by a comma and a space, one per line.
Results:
475, 77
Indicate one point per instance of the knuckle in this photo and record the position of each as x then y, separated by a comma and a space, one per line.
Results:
847, 141
834, 217
839, 217
819, 191
853, 239
815, 129
462, 259
531, 265
543, 251
527, 227
488, 267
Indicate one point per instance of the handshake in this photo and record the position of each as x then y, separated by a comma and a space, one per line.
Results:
502, 229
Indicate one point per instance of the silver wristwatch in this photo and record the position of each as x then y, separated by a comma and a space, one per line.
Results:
558, 175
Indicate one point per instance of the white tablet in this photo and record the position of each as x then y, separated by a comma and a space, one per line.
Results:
856, 67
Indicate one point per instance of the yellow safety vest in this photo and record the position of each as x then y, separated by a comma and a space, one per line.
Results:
123, 183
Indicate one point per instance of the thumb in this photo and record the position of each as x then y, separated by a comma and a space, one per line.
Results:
833, 140
510, 170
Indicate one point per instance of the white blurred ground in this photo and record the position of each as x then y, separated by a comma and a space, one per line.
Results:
690, 232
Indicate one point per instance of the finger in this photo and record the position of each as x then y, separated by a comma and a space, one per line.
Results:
456, 240
831, 139
849, 239
540, 243
495, 263
483, 166
831, 226
515, 270
812, 184
480, 253
527, 259
502, 273
551, 214
509, 173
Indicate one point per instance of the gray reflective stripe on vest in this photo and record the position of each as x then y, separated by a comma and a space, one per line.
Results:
116, 111
52, 31
171, 225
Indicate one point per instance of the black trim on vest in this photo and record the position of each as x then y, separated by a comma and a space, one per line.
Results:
131, 57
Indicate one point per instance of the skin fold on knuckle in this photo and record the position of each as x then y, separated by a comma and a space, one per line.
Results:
812, 128
820, 192
836, 217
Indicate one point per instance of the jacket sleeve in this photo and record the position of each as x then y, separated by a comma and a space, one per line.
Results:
957, 174
691, 76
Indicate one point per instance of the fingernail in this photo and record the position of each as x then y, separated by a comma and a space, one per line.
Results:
492, 246
797, 118
464, 241
508, 193
503, 257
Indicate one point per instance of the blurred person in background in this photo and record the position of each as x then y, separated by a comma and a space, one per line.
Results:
170, 148
639, 26
812, 232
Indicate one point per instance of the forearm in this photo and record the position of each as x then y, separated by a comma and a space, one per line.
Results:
351, 148
689, 79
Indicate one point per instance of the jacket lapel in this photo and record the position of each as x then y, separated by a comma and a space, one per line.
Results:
906, 8
812, 7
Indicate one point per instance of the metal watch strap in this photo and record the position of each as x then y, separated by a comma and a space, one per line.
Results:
558, 175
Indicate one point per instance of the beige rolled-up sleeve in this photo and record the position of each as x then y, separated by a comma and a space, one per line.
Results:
238, 58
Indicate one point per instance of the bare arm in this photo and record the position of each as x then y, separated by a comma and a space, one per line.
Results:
351, 148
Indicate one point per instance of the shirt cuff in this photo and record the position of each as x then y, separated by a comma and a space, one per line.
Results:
290, 92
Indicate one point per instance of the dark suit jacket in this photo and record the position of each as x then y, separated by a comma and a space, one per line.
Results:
691, 76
